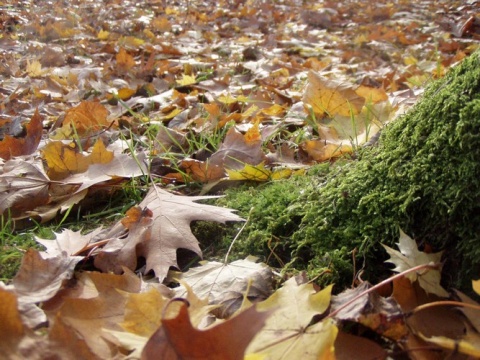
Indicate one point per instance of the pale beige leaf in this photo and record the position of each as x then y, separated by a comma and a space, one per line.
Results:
409, 256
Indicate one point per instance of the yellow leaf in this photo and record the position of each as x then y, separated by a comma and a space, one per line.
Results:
250, 172
100, 155
62, 160
287, 334
322, 150
329, 97
372, 95
125, 61
103, 35
476, 286
143, 312
34, 68
187, 80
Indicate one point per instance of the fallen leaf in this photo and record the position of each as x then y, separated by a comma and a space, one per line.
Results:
288, 333
12, 329
23, 185
38, 280
329, 97
64, 160
12, 146
238, 150
169, 231
382, 315
178, 339
409, 256
228, 284
87, 117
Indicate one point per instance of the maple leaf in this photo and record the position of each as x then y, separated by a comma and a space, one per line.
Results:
288, 334
162, 227
11, 146
409, 256
178, 339
87, 117
227, 284
330, 97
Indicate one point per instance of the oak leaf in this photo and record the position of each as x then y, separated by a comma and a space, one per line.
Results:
157, 235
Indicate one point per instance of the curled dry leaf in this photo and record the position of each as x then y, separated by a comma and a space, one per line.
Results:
228, 284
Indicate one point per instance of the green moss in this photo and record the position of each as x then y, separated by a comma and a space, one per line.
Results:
422, 177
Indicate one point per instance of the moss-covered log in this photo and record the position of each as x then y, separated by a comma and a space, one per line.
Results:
423, 176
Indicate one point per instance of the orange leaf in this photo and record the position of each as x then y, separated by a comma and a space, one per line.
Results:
88, 116
322, 150
11, 146
125, 61
202, 171
329, 97
178, 339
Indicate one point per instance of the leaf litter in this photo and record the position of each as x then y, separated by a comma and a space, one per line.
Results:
275, 86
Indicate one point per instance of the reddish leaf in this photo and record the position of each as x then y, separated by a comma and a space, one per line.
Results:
177, 339
11, 146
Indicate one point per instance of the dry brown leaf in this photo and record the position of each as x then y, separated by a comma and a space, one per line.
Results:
409, 256
91, 316
202, 171
169, 231
238, 150
12, 146
23, 185
380, 314
177, 339
227, 284
12, 329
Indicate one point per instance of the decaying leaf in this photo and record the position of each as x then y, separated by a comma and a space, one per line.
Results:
170, 230
23, 185
228, 284
409, 256
380, 314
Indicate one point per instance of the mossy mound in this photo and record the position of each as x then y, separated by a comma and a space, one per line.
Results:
422, 177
